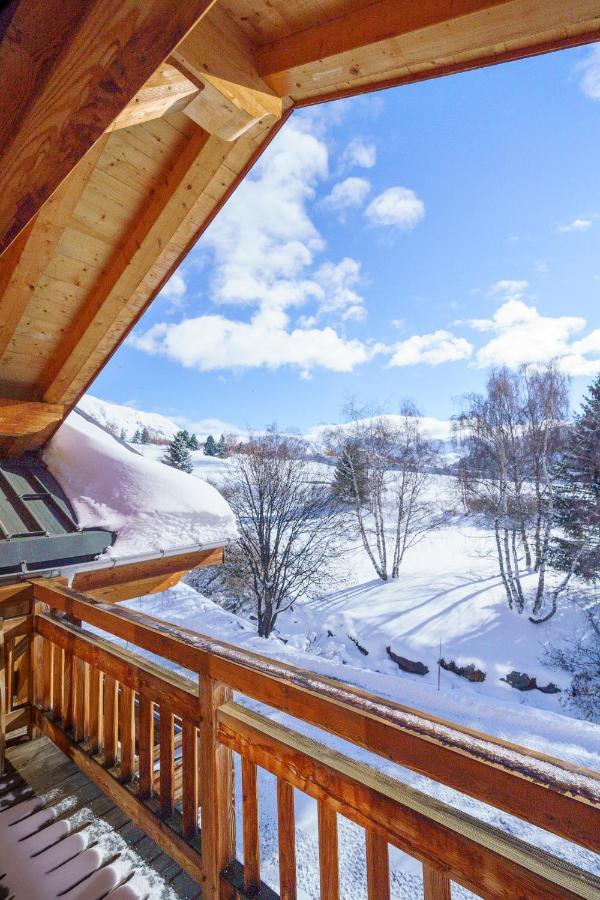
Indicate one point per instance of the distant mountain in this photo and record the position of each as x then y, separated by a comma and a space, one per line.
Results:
124, 420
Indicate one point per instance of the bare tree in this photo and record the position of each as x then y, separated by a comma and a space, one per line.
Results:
386, 477
512, 437
290, 526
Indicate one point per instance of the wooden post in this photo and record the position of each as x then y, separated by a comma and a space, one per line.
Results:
286, 827
216, 790
436, 884
378, 867
251, 833
36, 668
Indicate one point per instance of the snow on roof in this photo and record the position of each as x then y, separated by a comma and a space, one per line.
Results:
149, 505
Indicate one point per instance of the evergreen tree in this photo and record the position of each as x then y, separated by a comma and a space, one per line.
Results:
137, 437
210, 446
178, 455
193, 442
577, 503
221, 450
350, 480
123, 434
144, 436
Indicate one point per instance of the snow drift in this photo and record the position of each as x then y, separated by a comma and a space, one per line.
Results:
149, 505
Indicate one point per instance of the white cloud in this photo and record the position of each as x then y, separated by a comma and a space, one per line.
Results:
590, 78
509, 288
397, 206
523, 335
337, 282
213, 342
359, 153
175, 289
350, 192
433, 349
575, 225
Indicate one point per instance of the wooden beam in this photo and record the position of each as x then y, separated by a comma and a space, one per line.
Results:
339, 58
165, 88
373, 22
164, 212
484, 859
220, 56
136, 579
68, 69
20, 417
564, 800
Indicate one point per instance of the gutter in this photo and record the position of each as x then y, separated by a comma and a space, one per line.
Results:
109, 562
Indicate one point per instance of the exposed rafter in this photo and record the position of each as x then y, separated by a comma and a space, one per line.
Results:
165, 89
68, 69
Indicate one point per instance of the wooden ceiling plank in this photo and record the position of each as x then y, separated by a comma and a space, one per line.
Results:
166, 209
22, 272
79, 65
374, 22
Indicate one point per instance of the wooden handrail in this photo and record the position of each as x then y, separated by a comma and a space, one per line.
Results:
544, 791
480, 857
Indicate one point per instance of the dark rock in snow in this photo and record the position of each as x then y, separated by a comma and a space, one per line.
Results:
521, 681
470, 672
549, 688
524, 682
414, 667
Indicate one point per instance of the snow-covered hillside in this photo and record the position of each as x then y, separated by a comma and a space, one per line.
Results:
124, 419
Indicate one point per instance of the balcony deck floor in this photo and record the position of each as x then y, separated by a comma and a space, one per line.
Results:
93, 849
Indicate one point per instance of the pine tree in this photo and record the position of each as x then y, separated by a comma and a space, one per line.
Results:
210, 446
221, 449
137, 437
178, 455
577, 503
123, 434
350, 477
144, 436
193, 442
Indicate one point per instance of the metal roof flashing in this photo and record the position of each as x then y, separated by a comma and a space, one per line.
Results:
38, 528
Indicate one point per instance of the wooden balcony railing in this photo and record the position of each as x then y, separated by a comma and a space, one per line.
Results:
163, 746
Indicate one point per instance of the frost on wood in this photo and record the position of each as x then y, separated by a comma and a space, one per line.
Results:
149, 505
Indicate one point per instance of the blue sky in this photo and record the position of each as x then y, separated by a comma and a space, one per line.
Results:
395, 245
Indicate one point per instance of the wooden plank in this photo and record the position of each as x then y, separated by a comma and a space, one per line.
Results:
80, 699
128, 668
47, 679
189, 748
134, 579
483, 859
506, 31
145, 746
78, 66
111, 721
286, 833
127, 732
167, 762
216, 789
436, 884
68, 694
328, 852
378, 866
96, 682
125, 799
19, 417
563, 801
361, 26
250, 827
164, 210
57, 681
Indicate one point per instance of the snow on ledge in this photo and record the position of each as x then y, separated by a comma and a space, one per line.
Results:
152, 507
